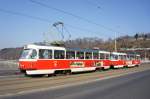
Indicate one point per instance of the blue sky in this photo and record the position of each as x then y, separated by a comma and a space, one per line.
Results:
125, 17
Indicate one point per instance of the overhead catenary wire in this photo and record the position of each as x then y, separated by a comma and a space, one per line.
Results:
40, 19
44, 20
94, 4
73, 15
24, 15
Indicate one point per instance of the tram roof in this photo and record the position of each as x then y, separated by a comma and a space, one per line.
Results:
118, 53
33, 46
43, 47
82, 50
106, 52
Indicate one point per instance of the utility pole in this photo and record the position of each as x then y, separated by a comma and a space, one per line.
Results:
145, 55
115, 42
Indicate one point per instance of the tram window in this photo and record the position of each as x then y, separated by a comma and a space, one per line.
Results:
70, 55
124, 57
95, 56
121, 57
138, 57
107, 56
102, 56
127, 57
80, 55
45, 54
114, 56
59, 54
132, 57
88, 55
33, 54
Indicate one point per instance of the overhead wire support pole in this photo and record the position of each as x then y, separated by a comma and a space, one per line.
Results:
115, 42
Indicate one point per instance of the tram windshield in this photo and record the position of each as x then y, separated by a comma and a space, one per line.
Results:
29, 54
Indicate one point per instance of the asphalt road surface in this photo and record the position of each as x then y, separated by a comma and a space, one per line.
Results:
9, 72
8, 68
132, 86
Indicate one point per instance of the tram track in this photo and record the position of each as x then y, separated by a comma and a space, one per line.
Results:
28, 80
16, 85
34, 79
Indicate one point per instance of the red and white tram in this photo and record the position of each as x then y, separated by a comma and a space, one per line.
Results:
133, 60
118, 60
36, 59
104, 59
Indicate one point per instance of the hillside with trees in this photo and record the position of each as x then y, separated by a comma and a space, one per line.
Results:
10, 53
136, 41
139, 40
